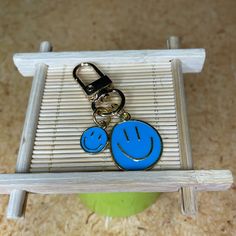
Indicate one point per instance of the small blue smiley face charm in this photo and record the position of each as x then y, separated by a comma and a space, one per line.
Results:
135, 145
93, 140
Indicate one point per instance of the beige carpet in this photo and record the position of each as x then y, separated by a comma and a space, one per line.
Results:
102, 25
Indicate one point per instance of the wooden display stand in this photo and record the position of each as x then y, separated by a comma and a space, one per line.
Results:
50, 160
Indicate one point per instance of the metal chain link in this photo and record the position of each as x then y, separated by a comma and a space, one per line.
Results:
106, 120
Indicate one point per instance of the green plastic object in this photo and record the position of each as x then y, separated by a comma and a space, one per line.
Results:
118, 204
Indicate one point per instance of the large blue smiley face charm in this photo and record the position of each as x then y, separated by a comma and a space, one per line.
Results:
93, 140
135, 145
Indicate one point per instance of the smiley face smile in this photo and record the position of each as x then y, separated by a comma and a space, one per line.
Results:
138, 158
84, 145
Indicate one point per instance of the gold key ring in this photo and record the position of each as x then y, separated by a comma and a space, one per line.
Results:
116, 109
98, 112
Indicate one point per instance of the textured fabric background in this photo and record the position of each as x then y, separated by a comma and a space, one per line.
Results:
102, 25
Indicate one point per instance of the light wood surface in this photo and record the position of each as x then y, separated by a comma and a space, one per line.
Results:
150, 96
192, 59
122, 181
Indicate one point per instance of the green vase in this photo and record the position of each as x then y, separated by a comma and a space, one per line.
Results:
118, 204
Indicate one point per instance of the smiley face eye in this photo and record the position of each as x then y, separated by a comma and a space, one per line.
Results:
126, 135
137, 132
100, 137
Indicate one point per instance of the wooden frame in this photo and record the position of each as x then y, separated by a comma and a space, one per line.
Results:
186, 181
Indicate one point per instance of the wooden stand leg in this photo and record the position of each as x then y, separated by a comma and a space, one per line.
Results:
17, 197
187, 194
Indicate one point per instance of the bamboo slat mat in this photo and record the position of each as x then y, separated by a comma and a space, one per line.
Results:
65, 113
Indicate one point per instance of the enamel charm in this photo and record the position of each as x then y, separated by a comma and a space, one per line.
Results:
134, 144
94, 139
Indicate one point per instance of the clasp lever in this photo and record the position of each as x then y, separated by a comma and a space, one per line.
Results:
92, 89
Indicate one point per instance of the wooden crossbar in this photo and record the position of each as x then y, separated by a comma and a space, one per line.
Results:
116, 181
192, 59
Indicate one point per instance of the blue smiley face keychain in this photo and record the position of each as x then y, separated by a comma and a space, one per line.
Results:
134, 144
